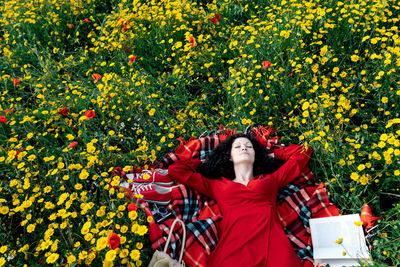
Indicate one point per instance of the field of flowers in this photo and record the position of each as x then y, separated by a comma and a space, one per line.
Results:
89, 85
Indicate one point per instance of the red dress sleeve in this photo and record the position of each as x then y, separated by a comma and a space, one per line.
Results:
184, 171
296, 157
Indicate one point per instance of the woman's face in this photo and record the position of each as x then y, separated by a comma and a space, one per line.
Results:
242, 151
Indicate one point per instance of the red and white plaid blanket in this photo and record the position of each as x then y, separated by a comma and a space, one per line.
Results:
297, 203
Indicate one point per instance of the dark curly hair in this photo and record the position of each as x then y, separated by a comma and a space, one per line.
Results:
219, 165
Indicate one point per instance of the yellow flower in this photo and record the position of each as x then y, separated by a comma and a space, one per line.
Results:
90, 148
107, 263
78, 186
355, 58
142, 230
354, 176
152, 111
139, 245
339, 241
110, 255
358, 223
54, 246
83, 255
364, 180
4, 210
86, 227
88, 236
124, 253
2, 261
83, 175
30, 228
52, 258
285, 34
47, 189
135, 254
101, 243
3, 249
134, 227
124, 229
132, 215
47, 159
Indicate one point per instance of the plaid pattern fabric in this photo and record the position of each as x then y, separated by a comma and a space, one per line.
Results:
296, 204
200, 215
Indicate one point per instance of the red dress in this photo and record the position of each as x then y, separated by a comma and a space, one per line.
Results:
251, 233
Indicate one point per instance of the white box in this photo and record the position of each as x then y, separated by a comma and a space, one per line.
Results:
326, 231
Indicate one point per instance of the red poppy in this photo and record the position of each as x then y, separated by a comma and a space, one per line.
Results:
9, 110
16, 82
17, 153
86, 20
132, 206
216, 18
64, 112
72, 144
126, 49
113, 241
3, 119
266, 64
192, 41
90, 114
96, 77
132, 59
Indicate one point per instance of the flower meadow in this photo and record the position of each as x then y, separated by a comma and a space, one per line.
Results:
90, 85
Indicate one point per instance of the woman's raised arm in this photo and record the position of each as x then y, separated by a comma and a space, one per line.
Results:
185, 172
296, 157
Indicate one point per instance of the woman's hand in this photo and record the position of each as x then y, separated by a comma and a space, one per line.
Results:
288, 152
